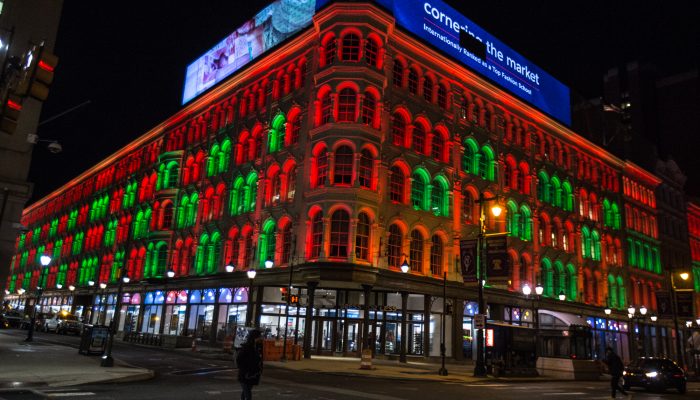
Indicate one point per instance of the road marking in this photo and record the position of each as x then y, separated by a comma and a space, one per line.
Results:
563, 394
71, 394
348, 392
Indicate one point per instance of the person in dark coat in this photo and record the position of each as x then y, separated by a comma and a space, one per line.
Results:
615, 368
250, 364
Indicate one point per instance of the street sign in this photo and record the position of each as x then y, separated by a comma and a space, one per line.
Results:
479, 321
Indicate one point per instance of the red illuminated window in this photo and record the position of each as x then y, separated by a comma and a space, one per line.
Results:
340, 226
321, 168
393, 246
398, 130
330, 51
371, 52
362, 237
316, 235
397, 73
468, 207
436, 255
428, 89
347, 103
366, 167
291, 183
442, 97
416, 251
326, 109
437, 147
418, 139
295, 127
351, 48
342, 174
413, 81
397, 185
369, 106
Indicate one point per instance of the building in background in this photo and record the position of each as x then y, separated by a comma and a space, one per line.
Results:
332, 160
23, 24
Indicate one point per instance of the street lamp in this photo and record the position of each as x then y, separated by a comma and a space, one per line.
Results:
674, 310
405, 268
229, 267
45, 261
527, 291
103, 306
562, 295
480, 367
59, 286
170, 274
107, 360
269, 264
249, 313
286, 313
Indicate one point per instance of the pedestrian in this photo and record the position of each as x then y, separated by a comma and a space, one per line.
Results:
250, 364
615, 368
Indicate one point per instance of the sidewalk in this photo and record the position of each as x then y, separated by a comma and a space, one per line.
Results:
37, 363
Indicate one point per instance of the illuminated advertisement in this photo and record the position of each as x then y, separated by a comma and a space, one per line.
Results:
439, 24
272, 25
433, 21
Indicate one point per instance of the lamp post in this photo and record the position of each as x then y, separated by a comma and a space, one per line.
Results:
286, 314
636, 315
480, 367
45, 261
405, 268
107, 360
527, 291
103, 306
443, 371
249, 313
674, 310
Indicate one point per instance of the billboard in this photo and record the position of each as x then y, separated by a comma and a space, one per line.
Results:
269, 27
439, 24
433, 21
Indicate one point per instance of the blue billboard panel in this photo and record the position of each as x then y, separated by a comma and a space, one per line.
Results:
439, 24
272, 25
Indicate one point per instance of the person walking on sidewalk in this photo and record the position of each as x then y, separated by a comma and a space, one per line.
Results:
615, 368
250, 364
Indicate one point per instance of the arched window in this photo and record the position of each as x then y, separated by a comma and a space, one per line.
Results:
585, 243
267, 242
413, 81
470, 155
439, 199
316, 234
369, 109
437, 147
397, 185
512, 218
416, 251
398, 130
543, 187
397, 73
393, 247
351, 47
567, 197
362, 237
571, 289
436, 249
547, 277
428, 91
487, 164
275, 189
371, 52
442, 97
342, 174
419, 190
321, 167
330, 51
595, 245
468, 207
418, 138
560, 279
340, 227
555, 191
365, 174
291, 183
347, 104
294, 126
327, 108
286, 245
525, 223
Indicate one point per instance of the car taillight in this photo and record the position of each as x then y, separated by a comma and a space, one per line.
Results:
677, 375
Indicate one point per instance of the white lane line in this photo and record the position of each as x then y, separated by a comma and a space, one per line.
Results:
563, 394
71, 394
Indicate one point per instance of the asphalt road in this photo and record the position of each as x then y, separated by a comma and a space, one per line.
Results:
185, 376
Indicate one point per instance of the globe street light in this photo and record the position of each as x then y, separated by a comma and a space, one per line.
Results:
562, 295
170, 274
405, 268
249, 313
443, 371
527, 291
45, 260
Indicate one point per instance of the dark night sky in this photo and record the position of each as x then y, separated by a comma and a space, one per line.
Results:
129, 58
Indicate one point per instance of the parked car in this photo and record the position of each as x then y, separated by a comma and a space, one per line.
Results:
654, 373
64, 323
14, 318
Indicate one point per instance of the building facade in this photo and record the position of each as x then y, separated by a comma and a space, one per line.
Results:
332, 160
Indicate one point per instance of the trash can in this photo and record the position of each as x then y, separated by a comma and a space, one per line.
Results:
93, 340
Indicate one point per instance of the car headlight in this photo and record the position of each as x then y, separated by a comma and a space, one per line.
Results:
624, 373
652, 374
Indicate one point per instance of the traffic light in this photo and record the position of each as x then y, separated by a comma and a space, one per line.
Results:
10, 114
42, 76
38, 66
284, 294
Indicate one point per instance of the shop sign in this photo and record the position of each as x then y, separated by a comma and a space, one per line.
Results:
371, 308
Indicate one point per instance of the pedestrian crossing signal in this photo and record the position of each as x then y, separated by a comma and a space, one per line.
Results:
294, 299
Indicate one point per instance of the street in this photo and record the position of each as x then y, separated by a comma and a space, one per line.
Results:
182, 375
